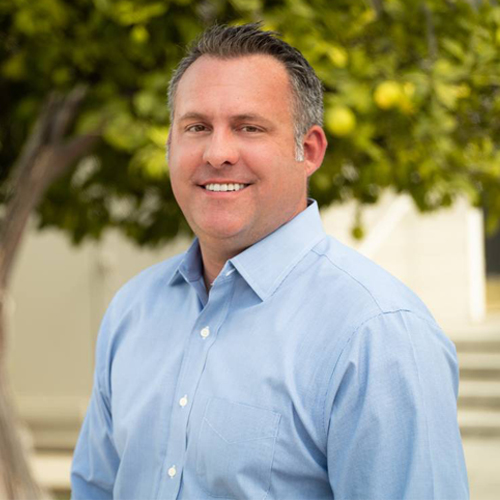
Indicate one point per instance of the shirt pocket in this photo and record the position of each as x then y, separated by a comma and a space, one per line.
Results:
236, 449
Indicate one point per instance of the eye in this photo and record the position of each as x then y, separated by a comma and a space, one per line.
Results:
196, 128
250, 128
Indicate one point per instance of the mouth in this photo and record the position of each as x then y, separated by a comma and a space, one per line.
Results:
224, 187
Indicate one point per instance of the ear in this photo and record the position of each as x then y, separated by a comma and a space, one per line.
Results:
315, 145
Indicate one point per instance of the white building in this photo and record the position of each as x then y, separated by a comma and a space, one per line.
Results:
60, 293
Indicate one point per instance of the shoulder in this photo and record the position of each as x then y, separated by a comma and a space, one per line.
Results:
372, 314
149, 280
144, 289
382, 318
365, 286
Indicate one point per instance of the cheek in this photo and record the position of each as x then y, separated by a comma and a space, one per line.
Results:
179, 180
182, 165
176, 190
267, 158
184, 152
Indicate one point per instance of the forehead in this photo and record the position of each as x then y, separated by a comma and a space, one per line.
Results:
249, 84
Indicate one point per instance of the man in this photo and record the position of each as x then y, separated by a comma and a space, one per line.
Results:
268, 361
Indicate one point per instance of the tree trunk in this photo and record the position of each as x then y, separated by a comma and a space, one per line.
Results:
46, 155
16, 479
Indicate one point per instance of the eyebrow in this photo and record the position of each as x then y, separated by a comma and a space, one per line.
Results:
193, 115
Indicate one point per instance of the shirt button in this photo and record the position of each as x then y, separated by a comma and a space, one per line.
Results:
183, 401
172, 471
205, 332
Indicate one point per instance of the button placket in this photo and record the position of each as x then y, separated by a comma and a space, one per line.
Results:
207, 324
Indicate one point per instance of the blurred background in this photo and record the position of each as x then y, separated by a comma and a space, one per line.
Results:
411, 179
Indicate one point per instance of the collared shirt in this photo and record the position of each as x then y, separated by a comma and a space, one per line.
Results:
307, 372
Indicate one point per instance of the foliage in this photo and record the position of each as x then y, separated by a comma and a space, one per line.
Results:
412, 99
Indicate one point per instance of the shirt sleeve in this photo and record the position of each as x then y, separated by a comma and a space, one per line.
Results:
95, 460
391, 414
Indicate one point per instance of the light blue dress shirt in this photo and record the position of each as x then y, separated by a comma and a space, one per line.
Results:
308, 372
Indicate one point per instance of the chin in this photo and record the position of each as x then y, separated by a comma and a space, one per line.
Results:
223, 233
221, 228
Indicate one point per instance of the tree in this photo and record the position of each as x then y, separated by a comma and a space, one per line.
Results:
412, 102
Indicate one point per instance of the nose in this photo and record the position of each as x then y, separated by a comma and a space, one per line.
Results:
221, 149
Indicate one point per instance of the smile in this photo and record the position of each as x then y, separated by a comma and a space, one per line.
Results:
224, 187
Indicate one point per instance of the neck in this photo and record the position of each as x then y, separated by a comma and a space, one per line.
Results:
213, 262
215, 252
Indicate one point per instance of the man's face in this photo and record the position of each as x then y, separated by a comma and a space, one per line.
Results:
232, 150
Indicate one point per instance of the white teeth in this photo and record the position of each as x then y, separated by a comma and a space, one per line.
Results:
224, 187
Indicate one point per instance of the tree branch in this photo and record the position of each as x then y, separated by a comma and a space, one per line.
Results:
45, 158
378, 6
431, 32
67, 114
35, 142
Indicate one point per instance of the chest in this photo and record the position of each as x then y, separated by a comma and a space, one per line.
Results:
226, 398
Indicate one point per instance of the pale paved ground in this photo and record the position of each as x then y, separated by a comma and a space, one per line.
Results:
483, 465
482, 454
52, 469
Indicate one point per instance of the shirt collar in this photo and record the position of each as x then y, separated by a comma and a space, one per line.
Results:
190, 267
265, 264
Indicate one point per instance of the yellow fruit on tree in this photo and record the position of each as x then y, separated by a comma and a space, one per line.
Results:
340, 120
338, 56
388, 94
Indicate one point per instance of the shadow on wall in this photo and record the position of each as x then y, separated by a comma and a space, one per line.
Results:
492, 254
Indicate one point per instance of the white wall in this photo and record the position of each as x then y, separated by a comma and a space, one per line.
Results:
440, 256
60, 293
58, 297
